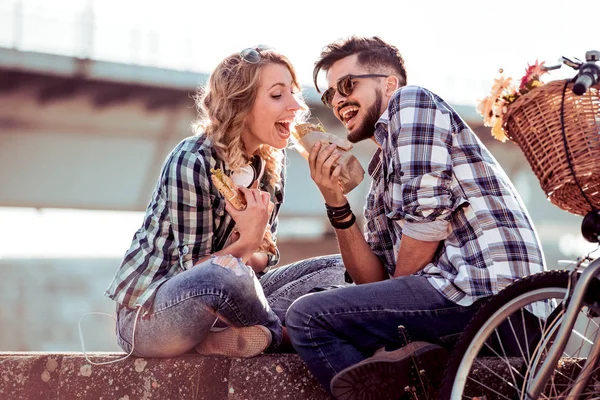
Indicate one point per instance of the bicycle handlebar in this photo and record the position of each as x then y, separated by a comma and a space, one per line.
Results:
589, 75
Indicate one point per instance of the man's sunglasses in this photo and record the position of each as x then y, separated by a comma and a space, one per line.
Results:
344, 86
252, 54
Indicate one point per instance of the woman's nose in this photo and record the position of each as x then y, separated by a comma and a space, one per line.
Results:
294, 104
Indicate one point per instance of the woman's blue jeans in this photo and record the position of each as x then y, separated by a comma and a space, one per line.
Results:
187, 305
334, 329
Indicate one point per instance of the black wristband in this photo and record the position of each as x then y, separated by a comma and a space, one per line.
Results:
330, 208
339, 217
338, 212
343, 225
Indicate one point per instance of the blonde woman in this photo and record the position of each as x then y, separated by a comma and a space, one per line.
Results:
192, 279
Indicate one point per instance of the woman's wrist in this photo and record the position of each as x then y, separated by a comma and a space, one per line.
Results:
241, 248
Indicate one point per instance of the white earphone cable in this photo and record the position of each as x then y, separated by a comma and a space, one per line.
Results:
137, 314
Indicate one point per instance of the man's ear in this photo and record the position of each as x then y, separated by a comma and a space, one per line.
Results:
392, 83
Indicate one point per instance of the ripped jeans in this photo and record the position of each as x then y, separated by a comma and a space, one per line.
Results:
187, 305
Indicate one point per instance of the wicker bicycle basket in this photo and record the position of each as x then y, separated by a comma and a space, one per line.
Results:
567, 166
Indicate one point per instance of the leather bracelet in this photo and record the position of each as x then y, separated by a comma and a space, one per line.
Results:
330, 208
338, 212
344, 225
339, 217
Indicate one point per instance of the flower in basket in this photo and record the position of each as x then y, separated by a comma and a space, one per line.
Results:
505, 92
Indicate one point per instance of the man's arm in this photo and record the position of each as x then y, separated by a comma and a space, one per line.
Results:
360, 261
421, 196
414, 255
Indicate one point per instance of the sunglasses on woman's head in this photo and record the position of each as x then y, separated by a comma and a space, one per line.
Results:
252, 54
345, 86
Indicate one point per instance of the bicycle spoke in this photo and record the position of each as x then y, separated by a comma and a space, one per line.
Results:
523, 324
497, 375
510, 367
488, 388
512, 328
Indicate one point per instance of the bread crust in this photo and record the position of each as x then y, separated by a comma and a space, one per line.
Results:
228, 189
232, 193
305, 128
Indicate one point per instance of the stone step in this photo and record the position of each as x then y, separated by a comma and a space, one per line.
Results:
65, 376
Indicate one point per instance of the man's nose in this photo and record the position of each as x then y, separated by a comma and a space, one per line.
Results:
337, 98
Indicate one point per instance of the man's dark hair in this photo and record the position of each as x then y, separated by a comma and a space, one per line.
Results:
372, 53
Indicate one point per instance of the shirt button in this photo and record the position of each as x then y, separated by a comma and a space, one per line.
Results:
185, 250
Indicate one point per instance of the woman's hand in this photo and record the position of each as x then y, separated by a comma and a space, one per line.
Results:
252, 222
321, 161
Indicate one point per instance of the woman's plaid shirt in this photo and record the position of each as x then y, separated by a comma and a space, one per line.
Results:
434, 180
185, 221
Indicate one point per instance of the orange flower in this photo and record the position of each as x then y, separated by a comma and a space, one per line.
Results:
493, 107
497, 131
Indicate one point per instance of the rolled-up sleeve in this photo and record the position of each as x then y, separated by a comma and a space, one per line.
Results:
189, 204
421, 137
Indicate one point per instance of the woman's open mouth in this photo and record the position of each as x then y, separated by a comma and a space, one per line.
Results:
283, 128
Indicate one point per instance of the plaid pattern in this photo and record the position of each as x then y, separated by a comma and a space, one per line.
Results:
434, 180
185, 221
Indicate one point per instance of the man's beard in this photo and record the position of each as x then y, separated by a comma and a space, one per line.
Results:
366, 129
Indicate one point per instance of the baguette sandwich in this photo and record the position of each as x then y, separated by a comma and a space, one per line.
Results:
307, 135
232, 193
301, 130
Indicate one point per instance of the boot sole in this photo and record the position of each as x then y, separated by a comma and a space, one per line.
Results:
386, 378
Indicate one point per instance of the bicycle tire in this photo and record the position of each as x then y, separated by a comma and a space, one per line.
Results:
507, 309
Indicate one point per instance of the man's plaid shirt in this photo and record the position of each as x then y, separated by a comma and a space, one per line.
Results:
185, 221
434, 180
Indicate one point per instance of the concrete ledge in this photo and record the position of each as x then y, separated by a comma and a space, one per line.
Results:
65, 376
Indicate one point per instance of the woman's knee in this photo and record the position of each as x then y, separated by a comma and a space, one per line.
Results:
225, 271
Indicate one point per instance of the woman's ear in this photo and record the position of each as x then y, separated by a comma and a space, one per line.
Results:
392, 83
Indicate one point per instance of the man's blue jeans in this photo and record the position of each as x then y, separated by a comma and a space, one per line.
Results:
187, 305
334, 329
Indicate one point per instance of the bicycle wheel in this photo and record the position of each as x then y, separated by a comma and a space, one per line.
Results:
507, 340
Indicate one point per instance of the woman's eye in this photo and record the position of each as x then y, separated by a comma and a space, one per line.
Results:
275, 96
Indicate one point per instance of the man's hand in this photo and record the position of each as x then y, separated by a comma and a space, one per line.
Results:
327, 177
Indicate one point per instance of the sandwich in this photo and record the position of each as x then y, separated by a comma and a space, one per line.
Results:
305, 128
228, 189
307, 135
232, 193
301, 130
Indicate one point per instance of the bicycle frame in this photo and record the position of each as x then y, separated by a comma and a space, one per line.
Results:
589, 74
575, 302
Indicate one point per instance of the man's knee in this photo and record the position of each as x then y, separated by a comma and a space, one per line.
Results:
298, 314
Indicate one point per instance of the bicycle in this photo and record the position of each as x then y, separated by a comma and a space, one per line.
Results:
543, 331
